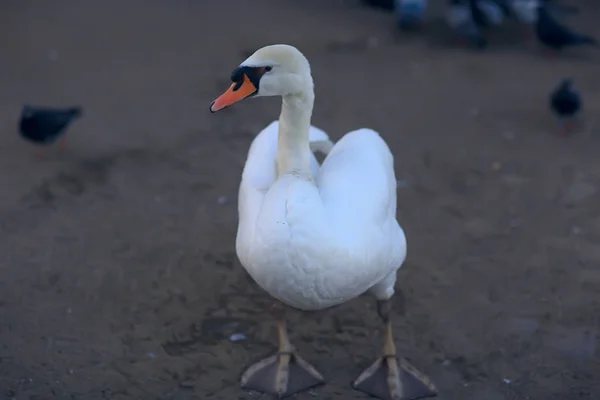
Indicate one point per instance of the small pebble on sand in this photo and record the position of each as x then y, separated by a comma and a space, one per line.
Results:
496, 166
237, 337
222, 200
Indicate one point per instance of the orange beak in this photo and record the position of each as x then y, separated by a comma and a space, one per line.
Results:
236, 92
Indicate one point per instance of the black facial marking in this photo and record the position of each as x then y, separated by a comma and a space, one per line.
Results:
237, 75
253, 73
238, 85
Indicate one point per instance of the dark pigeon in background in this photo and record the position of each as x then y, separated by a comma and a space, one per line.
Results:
505, 6
556, 36
526, 11
559, 8
44, 126
460, 18
383, 4
565, 103
486, 13
410, 13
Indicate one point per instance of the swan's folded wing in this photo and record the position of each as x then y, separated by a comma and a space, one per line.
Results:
357, 182
260, 171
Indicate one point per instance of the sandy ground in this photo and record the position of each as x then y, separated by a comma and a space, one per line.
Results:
120, 279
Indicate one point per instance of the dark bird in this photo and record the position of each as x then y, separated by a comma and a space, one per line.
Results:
564, 9
505, 6
559, 8
44, 126
382, 4
460, 18
486, 13
410, 13
526, 11
556, 36
565, 103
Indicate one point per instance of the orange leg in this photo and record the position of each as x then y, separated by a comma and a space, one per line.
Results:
550, 53
567, 127
39, 154
63, 144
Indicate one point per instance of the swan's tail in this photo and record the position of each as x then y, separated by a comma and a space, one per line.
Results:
322, 146
319, 141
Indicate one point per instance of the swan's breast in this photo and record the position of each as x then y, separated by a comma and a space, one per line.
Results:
305, 274
298, 256
290, 260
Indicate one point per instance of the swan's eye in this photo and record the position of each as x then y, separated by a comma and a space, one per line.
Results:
267, 69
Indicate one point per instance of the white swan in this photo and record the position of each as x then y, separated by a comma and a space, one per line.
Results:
315, 237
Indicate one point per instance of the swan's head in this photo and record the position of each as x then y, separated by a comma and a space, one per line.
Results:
276, 70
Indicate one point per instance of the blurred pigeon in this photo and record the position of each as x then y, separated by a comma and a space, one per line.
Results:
560, 8
525, 11
505, 6
460, 18
486, 13
383, 4
551, 33
409, 13
565, 102
44, 126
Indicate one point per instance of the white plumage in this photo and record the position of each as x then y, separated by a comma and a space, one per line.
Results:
317, 243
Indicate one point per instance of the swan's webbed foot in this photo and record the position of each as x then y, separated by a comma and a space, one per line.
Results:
285, 373
389, 378
282, 375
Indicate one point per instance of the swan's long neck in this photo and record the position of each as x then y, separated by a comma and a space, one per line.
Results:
293, 151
